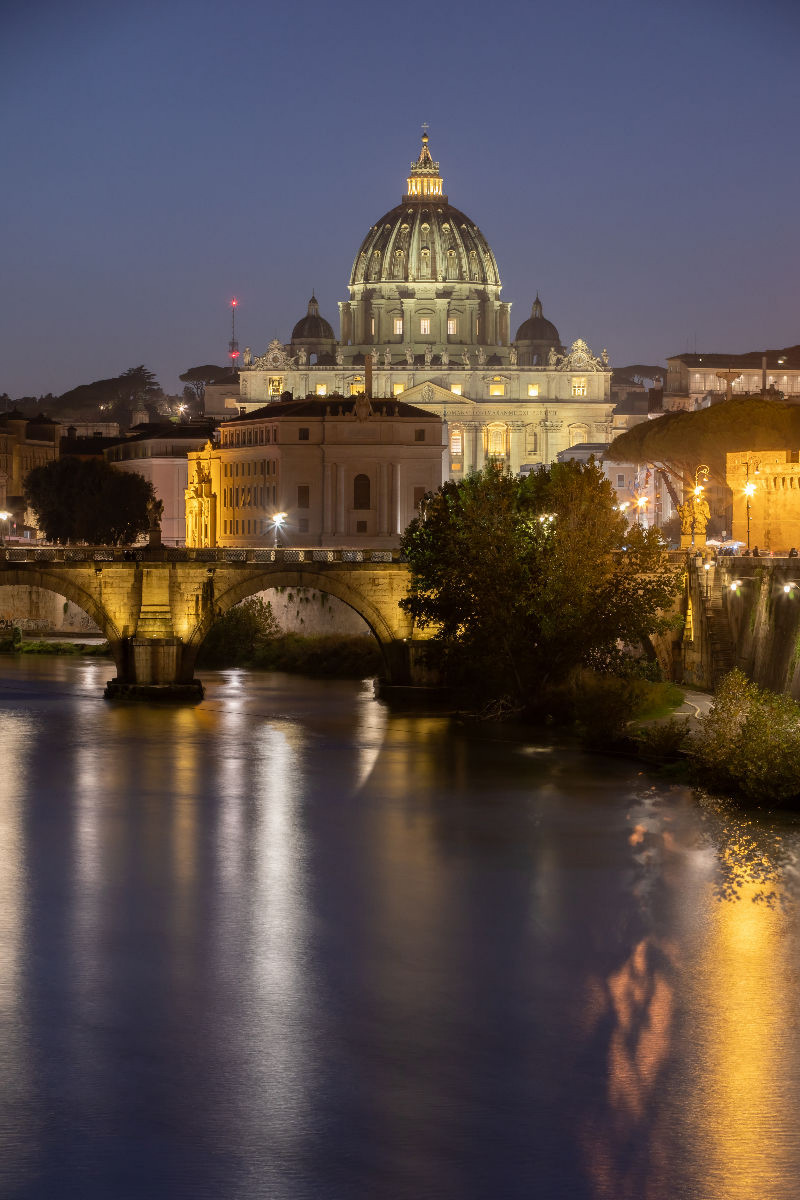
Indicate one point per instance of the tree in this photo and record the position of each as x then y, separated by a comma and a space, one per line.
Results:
240, 635
679, 442
198, 377
76, 501
524, 580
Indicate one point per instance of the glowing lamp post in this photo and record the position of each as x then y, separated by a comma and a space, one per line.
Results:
641, 504
749, 491
278, 521
5, 517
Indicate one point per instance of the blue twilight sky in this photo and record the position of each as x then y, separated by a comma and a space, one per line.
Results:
637, 163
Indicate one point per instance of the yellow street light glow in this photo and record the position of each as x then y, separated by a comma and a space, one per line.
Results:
278, 518
706, 566
641, 501
749, 489
623, 506
699, 489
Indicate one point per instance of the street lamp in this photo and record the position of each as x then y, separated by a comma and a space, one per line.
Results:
278, 520
641, 502
749, 490
5, 517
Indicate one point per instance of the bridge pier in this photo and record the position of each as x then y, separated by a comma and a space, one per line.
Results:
153, 669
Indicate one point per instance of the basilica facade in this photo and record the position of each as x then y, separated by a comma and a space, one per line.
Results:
424, 321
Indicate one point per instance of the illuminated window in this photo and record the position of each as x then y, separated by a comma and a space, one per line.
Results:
425, 326
398, 326
356, 386
497, 389
579, 386
533, 389
455, 388
321, 389
497, 441
397, 388
452, 326
372, 326
275, 385
456, 443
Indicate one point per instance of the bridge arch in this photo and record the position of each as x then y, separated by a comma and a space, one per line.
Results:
322, 581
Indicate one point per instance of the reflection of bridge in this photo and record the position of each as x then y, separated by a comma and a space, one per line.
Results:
156, 606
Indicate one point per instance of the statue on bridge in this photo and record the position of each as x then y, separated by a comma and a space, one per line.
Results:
155, 511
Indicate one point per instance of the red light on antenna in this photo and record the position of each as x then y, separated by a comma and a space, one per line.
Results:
233, 354
234, 302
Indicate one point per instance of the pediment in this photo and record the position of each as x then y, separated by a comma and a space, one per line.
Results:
428, 392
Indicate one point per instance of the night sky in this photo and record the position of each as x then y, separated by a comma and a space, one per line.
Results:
637, 163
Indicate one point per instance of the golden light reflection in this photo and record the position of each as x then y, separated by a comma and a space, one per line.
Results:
741, 1109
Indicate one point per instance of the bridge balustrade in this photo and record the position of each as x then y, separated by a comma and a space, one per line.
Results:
227, 554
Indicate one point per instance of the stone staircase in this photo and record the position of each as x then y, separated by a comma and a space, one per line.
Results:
722, 651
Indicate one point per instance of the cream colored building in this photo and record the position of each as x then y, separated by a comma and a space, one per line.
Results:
159, 454
698, 380
343, 471
424, 307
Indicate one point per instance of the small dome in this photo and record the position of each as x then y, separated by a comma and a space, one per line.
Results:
538, 329
312, 327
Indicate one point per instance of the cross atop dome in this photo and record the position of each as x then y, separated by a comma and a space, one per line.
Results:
424, 180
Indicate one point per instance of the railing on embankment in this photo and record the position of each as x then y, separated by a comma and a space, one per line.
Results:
233, 554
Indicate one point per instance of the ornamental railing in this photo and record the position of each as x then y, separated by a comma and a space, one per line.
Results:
170, 554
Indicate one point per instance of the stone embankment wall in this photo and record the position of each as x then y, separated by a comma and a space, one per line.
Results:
309, 612
35, 610
746, 615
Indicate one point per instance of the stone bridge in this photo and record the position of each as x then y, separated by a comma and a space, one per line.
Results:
155, 606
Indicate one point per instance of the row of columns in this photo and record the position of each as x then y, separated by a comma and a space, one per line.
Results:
487, 322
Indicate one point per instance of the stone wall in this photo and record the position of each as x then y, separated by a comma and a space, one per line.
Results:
310, 612
36, 610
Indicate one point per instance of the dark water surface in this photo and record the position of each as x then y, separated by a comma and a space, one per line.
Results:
288, 945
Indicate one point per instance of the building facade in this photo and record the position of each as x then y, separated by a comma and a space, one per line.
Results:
424, 314
765, 485
24, 444
340, 471
159, 453
698, 380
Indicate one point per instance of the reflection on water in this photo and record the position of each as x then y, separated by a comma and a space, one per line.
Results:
288, 944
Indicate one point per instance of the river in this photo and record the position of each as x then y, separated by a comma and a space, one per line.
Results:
286, 944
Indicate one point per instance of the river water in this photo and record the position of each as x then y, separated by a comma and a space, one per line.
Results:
288, 945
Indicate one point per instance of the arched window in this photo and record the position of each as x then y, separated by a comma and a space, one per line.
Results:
399, 264
578, 434
456, 443
452, 265
361, 491
425, 262
497, 441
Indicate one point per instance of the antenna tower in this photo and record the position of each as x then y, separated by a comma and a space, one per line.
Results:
233, 345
